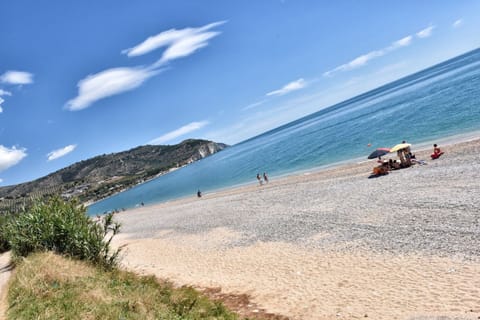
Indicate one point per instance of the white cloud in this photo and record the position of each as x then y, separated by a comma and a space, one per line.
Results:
61, 152
402, 42
457, 23
16, 77
160, 40
253, 105
292, 86
10, 157
357, 62
186, 47
327, 94
364, 59
179, 43
5, 93
1, 180
108, 83
425, 33
179, 132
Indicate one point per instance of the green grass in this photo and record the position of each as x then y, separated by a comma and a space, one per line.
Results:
48, 286
65, 269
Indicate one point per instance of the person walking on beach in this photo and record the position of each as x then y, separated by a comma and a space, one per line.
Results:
199, 193
265, 178
260, 181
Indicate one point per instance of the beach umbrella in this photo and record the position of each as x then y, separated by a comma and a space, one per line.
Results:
400, 146
378, 153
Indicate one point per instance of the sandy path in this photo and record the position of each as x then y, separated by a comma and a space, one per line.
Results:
330, 244
5, 272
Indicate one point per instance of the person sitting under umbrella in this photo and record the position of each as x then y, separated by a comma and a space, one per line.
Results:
381, 169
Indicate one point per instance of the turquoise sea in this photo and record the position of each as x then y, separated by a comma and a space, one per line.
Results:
431, 105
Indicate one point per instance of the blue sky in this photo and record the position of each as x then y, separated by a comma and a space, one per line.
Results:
83, 78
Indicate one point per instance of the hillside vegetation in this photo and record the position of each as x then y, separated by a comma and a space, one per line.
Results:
101, 176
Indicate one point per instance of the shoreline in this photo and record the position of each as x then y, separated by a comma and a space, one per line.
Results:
89, 203
420, 147
424, 150
327, 244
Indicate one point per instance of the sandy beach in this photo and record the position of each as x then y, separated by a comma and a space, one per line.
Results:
331, 244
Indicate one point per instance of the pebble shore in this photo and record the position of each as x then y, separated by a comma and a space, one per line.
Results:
326, 237
432, 209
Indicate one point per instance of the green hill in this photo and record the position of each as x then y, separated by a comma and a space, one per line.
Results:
96, 178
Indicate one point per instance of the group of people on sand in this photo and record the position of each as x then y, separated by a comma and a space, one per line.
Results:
407, 158
261, 179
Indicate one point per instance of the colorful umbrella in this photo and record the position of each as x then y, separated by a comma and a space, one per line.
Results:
378, 153
400, 147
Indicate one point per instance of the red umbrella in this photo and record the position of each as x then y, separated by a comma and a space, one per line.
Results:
378, 153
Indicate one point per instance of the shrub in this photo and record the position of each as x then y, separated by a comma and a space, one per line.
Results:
63, 227
4, 244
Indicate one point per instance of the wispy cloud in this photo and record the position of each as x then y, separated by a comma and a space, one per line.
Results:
5, 93
457, 23
425, 33
327, 94
357, 62
253, 105
401, 43
365, 58
179, 43
179, 132
10, 157
13, 78
61, 152
289, 87
16, 77
108, 83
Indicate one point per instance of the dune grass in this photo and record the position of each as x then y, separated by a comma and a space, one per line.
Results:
49, 286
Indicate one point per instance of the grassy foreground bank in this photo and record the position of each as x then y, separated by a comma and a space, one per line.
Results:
49, 286
65, 269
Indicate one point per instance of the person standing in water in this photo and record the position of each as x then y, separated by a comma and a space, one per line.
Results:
265, 178
260, 181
